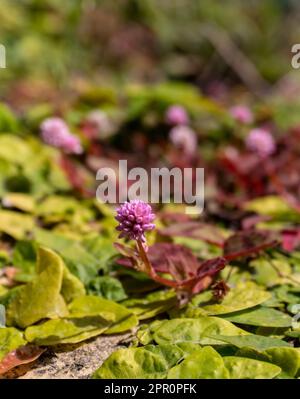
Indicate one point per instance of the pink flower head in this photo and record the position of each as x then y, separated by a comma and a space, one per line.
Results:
135, 218
55, 132
185, 138
261, 141
241, 114
177, 115
72, 145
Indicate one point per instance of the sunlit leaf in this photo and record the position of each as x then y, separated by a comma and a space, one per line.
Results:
40, 298
194, 330
260, 316
15, 224
204, 363
89, 305
243, 368
10, 339
258, 342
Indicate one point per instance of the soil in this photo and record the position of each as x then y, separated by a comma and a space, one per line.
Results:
70, 361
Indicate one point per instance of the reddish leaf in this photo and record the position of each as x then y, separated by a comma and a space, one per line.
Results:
174, 217
205, 273
77, 176
250, 221
173, 258
187, 274
247, 243
24, 354
197, 230
246, 168
290, 239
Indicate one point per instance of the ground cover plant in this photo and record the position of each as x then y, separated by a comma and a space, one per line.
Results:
208, 295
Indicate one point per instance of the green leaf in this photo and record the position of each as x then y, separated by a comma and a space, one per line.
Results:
152, 304
293, 334
273, 206
286, 358
58, 208
89, 317
194, 330
286, 294
145, 332
10, 339
265, 272
203, 363
107, 287
3, 290
71, 287
243, 296
24, 259
40, 298
15, 224
23, 202
79, 260
259, 342
8, 121
243, 368
147, 362
260, 316
14, 149
101, 247
66, 331
89, 305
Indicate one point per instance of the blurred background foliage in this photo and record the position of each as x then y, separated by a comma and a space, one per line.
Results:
54, 46
148, 38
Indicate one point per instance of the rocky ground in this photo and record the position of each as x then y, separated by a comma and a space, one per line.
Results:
70, 361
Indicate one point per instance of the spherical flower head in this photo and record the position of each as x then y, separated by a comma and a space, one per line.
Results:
135, 218
241, 114
54, 131
177, 115
185, 138
261, 141
72, 145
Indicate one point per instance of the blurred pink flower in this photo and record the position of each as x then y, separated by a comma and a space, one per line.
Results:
55, 132
185, 138
242, 114
177, 115
261, 141
72, 145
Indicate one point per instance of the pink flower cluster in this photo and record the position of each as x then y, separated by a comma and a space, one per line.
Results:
241, 114
177, 115
135, 218
181, 135
261, 141
185, 138
55, 132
